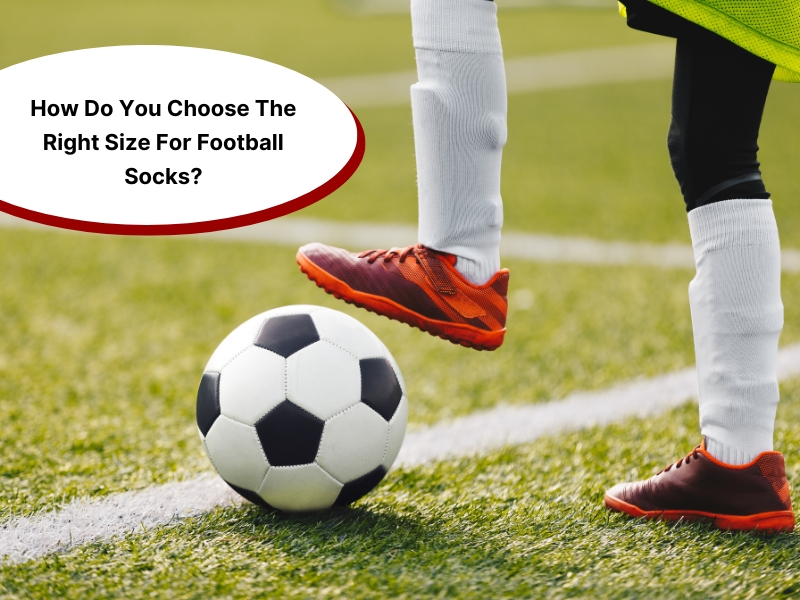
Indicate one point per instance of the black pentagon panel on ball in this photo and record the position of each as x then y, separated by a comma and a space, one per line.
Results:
249, 496
380, 389
207, 402
357, 488
289, 435
287, 334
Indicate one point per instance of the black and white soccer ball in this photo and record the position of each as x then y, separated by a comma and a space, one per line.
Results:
302, 408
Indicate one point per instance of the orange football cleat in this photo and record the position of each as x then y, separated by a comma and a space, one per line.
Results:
754, 496
417, 286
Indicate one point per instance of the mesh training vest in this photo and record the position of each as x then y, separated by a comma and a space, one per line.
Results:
767, 28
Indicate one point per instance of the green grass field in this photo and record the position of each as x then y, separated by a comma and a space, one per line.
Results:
104, 340
524, 522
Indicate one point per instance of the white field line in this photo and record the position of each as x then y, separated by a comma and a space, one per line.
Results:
534, 247
525, 246
85, 521
539, 247
560, 70
377, 7
488, 430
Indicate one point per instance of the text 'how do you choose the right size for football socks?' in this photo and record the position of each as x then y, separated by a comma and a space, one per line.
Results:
119, 142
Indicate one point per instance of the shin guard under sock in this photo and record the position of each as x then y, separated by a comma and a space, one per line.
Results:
459, 114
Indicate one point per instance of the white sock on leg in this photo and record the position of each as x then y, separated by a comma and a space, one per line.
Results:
459, 113
737, 317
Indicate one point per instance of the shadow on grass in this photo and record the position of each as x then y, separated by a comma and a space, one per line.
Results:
341, 530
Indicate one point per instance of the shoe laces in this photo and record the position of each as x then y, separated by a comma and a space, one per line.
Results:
685, 459
388, 255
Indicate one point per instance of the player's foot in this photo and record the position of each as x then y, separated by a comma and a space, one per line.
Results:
417, 286
754, 496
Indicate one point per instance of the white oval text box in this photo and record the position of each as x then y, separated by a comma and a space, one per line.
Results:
282, 141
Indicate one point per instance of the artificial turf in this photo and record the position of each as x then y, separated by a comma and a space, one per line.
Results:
526, 522
105, 339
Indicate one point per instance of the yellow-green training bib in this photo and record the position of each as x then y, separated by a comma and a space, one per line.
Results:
767, 28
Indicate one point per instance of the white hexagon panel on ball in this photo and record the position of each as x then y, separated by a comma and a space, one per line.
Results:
252, 384
237, 340
347, 333
235, 451
353, 443
299, 489
323, 379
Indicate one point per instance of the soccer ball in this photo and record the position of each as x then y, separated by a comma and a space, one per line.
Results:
302, 408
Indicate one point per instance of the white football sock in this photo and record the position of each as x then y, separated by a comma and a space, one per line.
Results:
459, 113
737, 317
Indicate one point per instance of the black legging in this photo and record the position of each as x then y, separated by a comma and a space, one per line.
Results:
718, 96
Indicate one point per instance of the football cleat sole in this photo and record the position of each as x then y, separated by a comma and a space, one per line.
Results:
456, 333
768, 522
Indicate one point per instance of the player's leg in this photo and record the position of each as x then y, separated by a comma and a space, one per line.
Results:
450, 284
734, 478
459, 111
737, 314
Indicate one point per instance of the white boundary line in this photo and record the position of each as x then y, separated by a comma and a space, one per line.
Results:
295, 231
483, 431
525, 246
561, 70
539, 247
85, 521
382, 7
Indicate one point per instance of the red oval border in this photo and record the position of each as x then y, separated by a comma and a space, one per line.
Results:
288, 207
